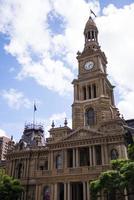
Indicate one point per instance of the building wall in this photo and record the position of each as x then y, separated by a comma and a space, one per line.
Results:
71, 158
3, 147
64, 166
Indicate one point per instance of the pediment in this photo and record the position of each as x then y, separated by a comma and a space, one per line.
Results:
82, 133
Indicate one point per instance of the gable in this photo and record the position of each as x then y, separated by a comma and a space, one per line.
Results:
82, 134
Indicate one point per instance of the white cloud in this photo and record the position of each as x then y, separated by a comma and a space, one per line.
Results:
49, 58
126, 105
16, 99
36, 47
116, 33
3, 133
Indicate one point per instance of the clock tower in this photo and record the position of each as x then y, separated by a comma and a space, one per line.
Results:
93, 93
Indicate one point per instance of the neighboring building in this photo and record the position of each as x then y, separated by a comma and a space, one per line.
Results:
61, 167
3, 147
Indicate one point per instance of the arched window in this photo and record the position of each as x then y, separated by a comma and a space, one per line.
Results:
58, 162
92, 35
46, 193
89, 37
89, 117
114, 154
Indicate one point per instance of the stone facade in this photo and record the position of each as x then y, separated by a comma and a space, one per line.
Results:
61, 167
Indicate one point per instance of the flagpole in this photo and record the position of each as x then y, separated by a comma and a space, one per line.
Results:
34, 109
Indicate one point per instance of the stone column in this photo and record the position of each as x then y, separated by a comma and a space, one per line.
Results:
91, 91
12, 168
94, 157
75, 92
26, 168
94, 36
51, 155
65, 158
106, 154
77, 157
68, 191
102, 154
52, 192
123, 151
87, 93
73, 157
36, 192
81, 97
55, 191
88, 192
49, 161
90, 155
84, 191
65, 191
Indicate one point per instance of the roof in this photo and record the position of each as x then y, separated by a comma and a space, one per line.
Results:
90, 25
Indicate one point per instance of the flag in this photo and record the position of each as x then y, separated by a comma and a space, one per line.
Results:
35, 107
93, 13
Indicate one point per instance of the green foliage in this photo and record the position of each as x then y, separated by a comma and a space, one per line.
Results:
128, 172
116, 180
10, 189
118, 164
131, 152
95, 187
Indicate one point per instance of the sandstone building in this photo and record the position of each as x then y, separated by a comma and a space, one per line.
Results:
61, 167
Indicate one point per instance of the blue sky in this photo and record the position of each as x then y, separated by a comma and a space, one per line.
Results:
38, 45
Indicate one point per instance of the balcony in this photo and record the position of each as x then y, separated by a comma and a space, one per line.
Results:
71, 171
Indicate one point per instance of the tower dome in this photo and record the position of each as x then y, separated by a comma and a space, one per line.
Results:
91, 33
90, 25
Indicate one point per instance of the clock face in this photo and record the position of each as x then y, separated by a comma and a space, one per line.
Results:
89, 65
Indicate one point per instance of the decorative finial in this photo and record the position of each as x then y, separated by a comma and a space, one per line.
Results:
53, 125
11, 137
122, 116
65, 122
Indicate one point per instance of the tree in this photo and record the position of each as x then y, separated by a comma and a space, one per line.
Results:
10, 189
117, 180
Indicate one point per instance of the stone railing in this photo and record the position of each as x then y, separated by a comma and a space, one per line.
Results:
70, 171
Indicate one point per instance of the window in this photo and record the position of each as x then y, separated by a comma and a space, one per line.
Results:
94, 91
89, 38
84, 93
98, 155
84, 156
69, 158
19, 169
89, 92
90, 117
114, 154
58, 162
92, 34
